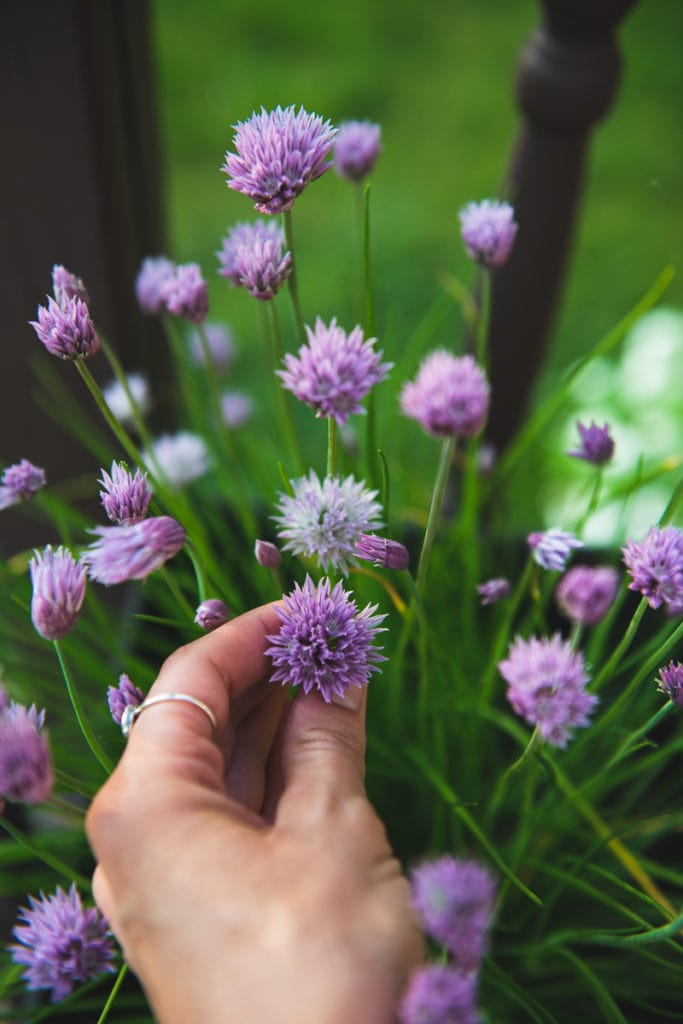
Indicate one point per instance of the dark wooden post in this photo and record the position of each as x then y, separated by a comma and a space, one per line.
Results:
567, 78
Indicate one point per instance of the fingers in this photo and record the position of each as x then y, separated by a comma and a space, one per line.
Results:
245, 778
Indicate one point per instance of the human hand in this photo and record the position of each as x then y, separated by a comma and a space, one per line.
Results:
246, 876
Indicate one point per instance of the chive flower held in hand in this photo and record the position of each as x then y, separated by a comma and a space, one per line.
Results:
58, 592
449, 397
325, 643
132, 552
25, 762
20, 482
252, 258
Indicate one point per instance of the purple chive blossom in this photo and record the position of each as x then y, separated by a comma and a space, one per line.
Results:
586, 593
181, 457
267, 554
4, 698
334, 371
132, 552
488, 230
494, 590
118, 401
61, 943
597, 446
278, 153
25, 763
552, 548
324, 642
449, 397
152, 278
122, 696
66, 285
58, 591
220, 343
655, 566
66, 330
671, 682
252, 258
325, 518
382, 552
439, 994
185, 293
20, 482
125, 497
236, 409
546, 685
453, 898
211, 614
356, 149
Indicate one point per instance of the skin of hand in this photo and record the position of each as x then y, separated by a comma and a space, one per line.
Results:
245, 874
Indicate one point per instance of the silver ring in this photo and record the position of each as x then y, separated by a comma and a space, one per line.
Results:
132, 711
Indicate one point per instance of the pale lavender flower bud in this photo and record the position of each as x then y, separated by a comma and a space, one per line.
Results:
552, 548
671, 682
547, 686
66, 285
25, 762
597, 445
655, 566
125, 497
439, 994
278, 153
66, 330
211, 614
236, 409
586, 593
267, 554
185, 293
356, 149
153, 275
20, 482
252, 258
488, 230
61, 944
334, 372
494, 590
449, 397
116, 398
58, 591
125, 695
132, 552
220, 343
385, 553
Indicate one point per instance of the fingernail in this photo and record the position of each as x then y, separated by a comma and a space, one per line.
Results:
352, 699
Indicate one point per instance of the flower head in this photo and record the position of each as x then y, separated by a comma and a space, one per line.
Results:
252, 258
597, 444
488, 230
655, 566
185, 293
278, 153
334, 371
212, 613
126, 694
221, 346
181, 457
116, 398
267, 554
449, 397
546, 685
324, 642
494, 590
153, 275
586, 593
325, 519
552, 548
132, 552
58, 592
25, 763
61, 943
20, 482
236, 408
125, 497
439, 994
453, 898
66, 330
385, 553
671, 682
356, 149
66, 285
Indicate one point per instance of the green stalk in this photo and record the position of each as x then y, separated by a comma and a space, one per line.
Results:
592, 503
199, 574
172, 585
283, 396
628, 744
136, 414
332, 446
369, 332
445, 462
123, 970
503, 634
40, 853
621, 648
502, 785
76, 785
86, 728
119, 433
483, 319
292, 280
469, 537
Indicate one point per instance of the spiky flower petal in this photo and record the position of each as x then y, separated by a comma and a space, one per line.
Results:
671, 682
357, 149
25, 763
449, 397
552, 548
66, 285
252, 257
597, 444
185, 293
382, 552
125, 497
655, 566
122, 696
66, 330
488, 230
58, 591
132, 552
20, 482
